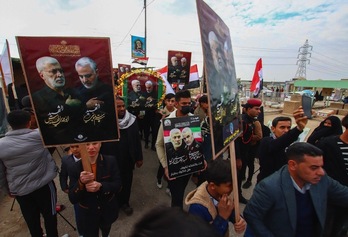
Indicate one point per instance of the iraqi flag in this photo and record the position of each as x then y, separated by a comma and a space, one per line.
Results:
163, 72
194, 73
194, 78
142, 61
257, 82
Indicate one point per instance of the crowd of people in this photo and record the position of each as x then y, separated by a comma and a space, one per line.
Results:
301, 188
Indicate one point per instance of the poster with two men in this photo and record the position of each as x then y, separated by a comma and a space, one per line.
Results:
71, 87
182, 139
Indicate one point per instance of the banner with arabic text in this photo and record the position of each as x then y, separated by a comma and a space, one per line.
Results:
71, 86
183, 145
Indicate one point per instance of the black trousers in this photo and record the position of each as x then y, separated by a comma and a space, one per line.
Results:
127, 179
177, 188
152, 123
93, 222
248, 159
41, 201
160, 172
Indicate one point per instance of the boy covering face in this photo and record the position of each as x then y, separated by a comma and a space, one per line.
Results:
212, 201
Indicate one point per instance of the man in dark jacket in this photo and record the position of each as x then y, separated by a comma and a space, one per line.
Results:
96, 191
247, 143
293, 201
127, 151
272, 149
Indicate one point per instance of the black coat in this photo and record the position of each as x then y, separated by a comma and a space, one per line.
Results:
102, 204
333, 160
128, 148
271, 152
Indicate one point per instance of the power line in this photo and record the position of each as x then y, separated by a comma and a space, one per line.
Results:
136, 20
332, 59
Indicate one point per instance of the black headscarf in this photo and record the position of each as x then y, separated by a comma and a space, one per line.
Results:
324, 131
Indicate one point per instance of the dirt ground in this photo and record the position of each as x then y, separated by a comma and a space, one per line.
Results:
145, 195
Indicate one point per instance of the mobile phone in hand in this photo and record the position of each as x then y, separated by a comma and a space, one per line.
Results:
307, 104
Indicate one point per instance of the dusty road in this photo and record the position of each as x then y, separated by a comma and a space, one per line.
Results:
145, 195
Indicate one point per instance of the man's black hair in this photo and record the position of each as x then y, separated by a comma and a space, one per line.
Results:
172, 222
182, 94
18, 119
119, 98
298, 150
278, 119
203, 99
345, 121
219, 171
169, 96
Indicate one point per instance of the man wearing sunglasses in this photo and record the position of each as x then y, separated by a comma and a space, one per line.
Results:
57, 107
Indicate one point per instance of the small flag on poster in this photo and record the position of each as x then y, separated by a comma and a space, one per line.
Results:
163, 72
142, 61
194, 73
257, 82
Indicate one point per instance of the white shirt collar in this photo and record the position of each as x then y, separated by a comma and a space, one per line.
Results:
76, 158
303, 190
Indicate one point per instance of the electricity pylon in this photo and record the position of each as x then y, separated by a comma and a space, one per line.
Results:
303, 56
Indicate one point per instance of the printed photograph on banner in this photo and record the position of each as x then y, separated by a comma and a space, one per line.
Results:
138, 46
220, 75
123, 68
71, 85
178, 67
183, 145
143, 92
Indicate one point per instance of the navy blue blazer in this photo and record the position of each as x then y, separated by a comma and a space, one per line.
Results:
67, 163
271, 210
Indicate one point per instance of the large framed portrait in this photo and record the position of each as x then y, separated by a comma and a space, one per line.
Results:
142, 90
70, 82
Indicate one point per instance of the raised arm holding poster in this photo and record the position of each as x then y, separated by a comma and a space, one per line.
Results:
71, 86
179, 67
182, 139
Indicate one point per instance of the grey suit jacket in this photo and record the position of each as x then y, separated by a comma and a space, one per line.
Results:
271, 210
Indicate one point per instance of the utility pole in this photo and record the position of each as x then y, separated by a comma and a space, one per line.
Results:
145, 28
302, 60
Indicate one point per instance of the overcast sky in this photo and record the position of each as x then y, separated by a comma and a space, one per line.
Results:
273, 30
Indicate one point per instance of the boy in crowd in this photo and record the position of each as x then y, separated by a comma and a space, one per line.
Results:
212, 201
68, 161
169, 101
